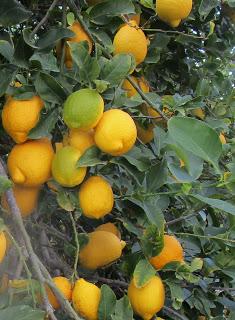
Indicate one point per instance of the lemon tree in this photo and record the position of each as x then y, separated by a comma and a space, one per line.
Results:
117, 160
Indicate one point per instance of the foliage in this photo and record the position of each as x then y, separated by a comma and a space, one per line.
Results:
192, 66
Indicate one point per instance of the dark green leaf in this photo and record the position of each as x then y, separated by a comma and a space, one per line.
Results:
46, 61
12, 12
107, 303
143, 273
6, 50
45, 125
152, 241
206, 7
123, 310
90, 158
6, 76
217, 204
21, 312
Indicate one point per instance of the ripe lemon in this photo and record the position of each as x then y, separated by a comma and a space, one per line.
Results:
102, 249
131, 90
145, 134
26, 199
222, 138
116, 132
199, 112
29, 163
96, 197
64, 167
109, 227
172, 251
82, 140
148, 300
173, 11
3, 246
131, 39
65, 287
83, 109
20, 116
86, 299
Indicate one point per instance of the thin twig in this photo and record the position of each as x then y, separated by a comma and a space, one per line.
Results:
175, 313
175, 32
44, 19
204, 237
75, 274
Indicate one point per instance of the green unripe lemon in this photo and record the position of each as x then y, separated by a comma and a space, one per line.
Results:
64, 167
83, 109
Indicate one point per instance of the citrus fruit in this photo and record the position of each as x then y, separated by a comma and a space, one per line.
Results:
65, 287
83, 109
147, 300
64, 167
29, 163
172, 251
136, 18
145, 134
82, 140
173, 11
222, 138
20, 116
116, 132
130, 39
199, 112
86, 299
3, 246
102, 249
26, 199
96, 197
131, 91
109, 227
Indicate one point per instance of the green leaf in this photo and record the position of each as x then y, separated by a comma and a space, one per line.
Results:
177, 294
12, 12
143, 273
5, 184
90, 158
101, 85
156, 177
111, 9
196, 137
22, 53
206, 7
70, 18
107, 303
45, 125
6, 50
46, 61
6, 76
152, 241
21, 312
49, 89
116, 69
64, 200
196, 264
217, 204
148, 4
89, 68
123, 310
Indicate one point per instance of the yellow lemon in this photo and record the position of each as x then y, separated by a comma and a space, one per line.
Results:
82, 140
145, 134
20, 116
3, 246
172, 251
96, 197
65, 287
131, 39
222, 138
116, 132
173, 11
199, 112
64, 167
142, 83
102, 249
86, 299
109, 227
29, 163
26, 199
83, 109
148, 300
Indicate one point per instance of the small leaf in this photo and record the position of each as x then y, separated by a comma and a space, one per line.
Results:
64, 201
206, 7
90, 158
123, 310
143, 273
152, 241
148, 4
107, 303
46, 61
196, 264
217, 204
5, 184
177, 294
70, 18
45, 125
6, 76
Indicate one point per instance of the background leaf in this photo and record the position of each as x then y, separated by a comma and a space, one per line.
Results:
107, 303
